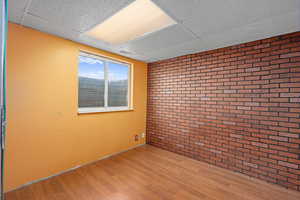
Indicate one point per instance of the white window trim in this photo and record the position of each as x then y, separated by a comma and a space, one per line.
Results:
108, 109
130, 88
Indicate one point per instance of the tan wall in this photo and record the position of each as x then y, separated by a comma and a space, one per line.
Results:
45, 134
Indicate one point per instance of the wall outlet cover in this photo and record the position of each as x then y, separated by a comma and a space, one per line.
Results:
136, 138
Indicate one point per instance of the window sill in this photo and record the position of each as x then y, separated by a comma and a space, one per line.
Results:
103, 110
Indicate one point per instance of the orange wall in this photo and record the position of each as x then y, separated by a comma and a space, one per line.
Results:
45, 134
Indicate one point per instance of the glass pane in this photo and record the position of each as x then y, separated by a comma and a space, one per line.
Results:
91, 82
117, 84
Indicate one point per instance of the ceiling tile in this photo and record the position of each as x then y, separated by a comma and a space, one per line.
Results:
137, 57
15, 16
79, 15
255, 31
202, 24
251, 11
206, 17
181, 10
16, 9
82, 38
259, 30
167, 37
189, 47
46, 26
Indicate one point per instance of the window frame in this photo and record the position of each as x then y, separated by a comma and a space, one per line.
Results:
106, 108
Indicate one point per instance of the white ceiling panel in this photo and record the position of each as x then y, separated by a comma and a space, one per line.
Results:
202, 24
254, 10
203, 16
138, 57
259, 30
16, 10
189, 47
15, 16
80, 15
82, 38
211, 16
94, 42
48, 27
169, 36
181, 10
45, 26
255, 31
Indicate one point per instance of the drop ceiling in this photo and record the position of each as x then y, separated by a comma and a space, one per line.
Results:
201, 24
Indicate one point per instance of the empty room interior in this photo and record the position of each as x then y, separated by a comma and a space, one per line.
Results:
150, 100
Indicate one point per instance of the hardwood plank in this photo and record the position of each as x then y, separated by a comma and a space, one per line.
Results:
150, 173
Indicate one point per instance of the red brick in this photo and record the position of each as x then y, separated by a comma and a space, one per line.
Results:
289, 55
287, 164
236, 107
290, 155
289, 94
291, 125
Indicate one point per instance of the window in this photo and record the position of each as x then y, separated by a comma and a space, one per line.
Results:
104, 84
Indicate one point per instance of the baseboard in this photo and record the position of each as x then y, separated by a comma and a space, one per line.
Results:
73, 168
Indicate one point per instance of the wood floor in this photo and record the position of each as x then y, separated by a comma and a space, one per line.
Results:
149, 173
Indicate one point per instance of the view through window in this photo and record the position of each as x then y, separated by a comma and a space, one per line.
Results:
103, 84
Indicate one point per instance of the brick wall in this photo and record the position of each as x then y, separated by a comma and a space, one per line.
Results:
237, 107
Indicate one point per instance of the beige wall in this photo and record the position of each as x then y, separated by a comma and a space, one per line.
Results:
45, 134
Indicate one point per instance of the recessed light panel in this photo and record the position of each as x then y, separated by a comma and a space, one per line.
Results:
137, 19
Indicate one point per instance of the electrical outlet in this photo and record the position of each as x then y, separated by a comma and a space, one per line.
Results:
142, 135
136, 138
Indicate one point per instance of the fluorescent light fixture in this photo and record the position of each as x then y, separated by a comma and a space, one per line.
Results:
137, 19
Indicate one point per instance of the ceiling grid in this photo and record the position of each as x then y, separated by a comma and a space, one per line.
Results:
201, 24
